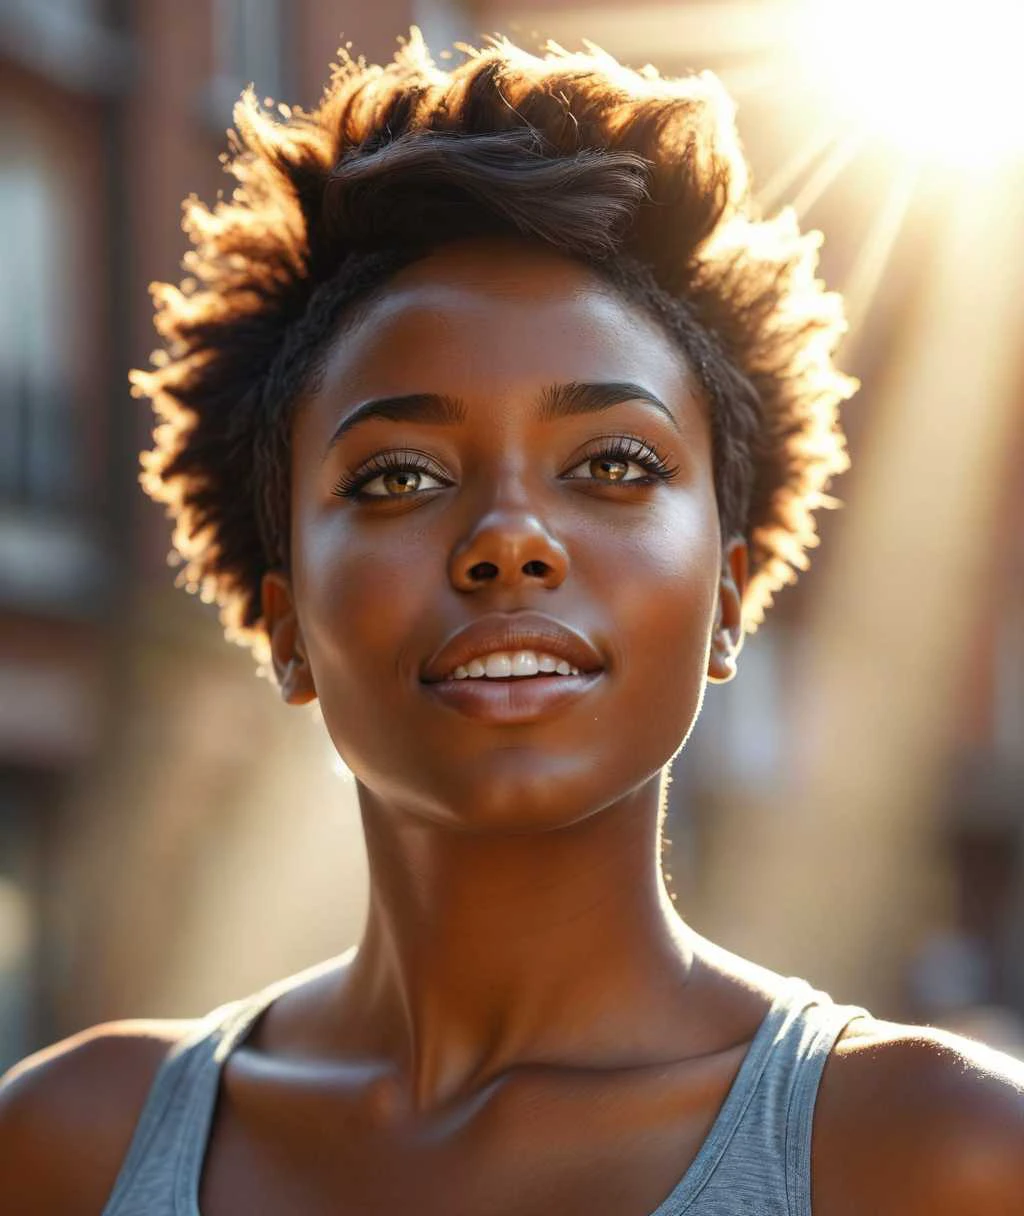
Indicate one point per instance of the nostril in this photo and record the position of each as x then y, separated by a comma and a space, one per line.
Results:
535, 569
483, 570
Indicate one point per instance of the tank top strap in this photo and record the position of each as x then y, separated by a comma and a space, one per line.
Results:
159, 1173
810, 1043
755, 1160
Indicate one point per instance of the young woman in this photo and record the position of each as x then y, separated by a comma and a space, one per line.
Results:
493, 417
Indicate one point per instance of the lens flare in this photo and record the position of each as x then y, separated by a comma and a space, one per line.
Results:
938, 81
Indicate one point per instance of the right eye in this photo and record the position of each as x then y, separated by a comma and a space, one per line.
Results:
397, 482
392, 475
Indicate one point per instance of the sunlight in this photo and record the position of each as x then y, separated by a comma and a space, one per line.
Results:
940, 82
867, 272
825, 174
777, 188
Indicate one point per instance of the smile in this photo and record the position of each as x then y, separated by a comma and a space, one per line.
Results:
512, 700
516, 665
512, 668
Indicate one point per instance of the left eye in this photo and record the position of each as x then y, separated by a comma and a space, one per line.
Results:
608, 468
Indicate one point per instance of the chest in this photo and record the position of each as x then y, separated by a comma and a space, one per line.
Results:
530, 1145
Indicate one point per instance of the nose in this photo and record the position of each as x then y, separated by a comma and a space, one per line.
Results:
508, 549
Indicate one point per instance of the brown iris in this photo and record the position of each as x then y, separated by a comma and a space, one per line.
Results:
606, 468
401, 481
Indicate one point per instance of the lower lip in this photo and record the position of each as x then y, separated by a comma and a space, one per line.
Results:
512, 702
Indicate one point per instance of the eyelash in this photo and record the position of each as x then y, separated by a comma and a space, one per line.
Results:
620, 447
349, 484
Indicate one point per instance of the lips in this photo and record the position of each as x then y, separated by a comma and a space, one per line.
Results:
512, 702
509, 633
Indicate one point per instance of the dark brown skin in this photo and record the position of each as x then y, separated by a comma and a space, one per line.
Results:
527, 1026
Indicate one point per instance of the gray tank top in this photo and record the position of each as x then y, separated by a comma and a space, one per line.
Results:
756, 1160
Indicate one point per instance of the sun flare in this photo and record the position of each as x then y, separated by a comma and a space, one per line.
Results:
938, 81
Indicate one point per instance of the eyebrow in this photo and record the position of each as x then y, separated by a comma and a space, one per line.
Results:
556, 401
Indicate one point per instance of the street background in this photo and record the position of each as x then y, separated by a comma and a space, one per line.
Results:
850, 809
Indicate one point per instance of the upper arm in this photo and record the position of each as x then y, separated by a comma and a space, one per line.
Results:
915, 1120
985, 1115
68, 1112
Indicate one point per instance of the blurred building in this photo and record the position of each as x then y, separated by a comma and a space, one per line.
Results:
126, 726
170, 837
65, 80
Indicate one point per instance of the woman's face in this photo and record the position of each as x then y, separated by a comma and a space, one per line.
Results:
486, 450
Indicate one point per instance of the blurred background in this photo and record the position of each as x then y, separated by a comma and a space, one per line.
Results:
850, 809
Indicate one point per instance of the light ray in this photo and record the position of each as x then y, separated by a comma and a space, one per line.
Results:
866, 272
773, 192
826, 173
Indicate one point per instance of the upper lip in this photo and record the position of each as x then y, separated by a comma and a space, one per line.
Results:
520, 631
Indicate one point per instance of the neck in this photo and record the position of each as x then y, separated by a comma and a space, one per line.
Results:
483, 951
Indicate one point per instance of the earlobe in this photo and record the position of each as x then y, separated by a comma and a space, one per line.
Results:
722, 661
287, 649
727, 638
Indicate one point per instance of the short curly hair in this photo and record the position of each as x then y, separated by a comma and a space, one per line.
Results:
639, 176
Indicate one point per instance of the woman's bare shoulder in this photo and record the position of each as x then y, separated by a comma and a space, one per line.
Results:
913, 1119
67, 1114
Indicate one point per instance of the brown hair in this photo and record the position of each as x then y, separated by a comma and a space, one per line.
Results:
641, 177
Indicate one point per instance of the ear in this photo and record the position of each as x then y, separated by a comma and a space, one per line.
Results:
727, 637
287, 650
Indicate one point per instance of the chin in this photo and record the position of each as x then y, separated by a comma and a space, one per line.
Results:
520, 790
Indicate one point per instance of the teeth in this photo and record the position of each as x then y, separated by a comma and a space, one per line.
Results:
525, 663
502, 664
498, 666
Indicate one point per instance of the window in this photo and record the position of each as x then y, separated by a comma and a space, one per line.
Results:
37, 465
248, 44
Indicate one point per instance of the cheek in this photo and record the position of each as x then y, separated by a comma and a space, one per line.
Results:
660, 580
359, 592
660, 590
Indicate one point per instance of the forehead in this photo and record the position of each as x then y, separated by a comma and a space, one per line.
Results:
498, 319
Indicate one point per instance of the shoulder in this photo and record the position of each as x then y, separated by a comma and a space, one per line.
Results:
68, 1112
911, 1119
